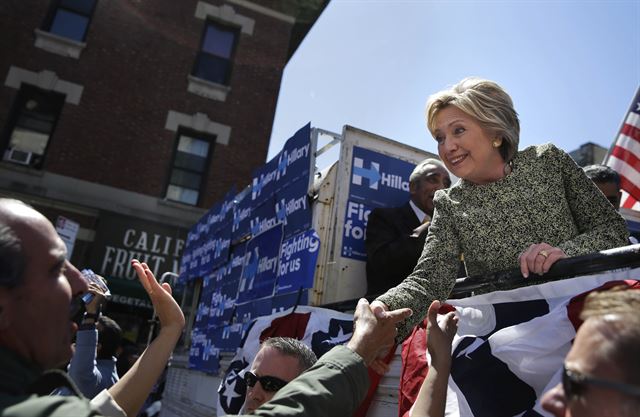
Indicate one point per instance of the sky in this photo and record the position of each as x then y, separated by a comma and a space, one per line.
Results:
571, 67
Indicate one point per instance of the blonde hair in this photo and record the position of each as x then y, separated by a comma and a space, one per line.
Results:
486, 102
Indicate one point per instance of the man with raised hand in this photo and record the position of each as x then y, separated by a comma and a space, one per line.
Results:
37, 284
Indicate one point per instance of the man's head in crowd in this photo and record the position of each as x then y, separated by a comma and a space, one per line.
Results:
36, 286
607, 180
279, 361
602, 371
428, 177
109, 338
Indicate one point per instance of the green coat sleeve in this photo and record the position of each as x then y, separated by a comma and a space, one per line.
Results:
599, 225
435, 273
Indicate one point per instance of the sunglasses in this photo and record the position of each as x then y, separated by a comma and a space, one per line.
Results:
269, 383
574, 384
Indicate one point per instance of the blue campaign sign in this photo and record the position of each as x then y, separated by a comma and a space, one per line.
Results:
294, 161
293, 207
236, 262
241, 218
221, 213
184, 266
379, 180
263, 184
206, 251
245, 312
263, 217
221, 245
227, 338
297, 264
281, 302
210, 357
198, 340
355, 224
261, 268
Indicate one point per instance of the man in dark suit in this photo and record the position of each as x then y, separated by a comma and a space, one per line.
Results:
395, 236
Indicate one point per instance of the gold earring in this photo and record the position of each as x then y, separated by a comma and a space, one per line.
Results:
496, 143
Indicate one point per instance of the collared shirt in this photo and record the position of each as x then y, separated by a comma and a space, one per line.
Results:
421, 215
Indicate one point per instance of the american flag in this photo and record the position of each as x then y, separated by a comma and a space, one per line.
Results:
625, 156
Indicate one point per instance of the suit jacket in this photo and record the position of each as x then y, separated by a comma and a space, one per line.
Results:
391, 251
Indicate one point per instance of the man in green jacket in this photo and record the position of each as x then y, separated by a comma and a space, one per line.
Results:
37, 285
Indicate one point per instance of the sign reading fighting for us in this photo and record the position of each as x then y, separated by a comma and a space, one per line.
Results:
298, 259
377, 180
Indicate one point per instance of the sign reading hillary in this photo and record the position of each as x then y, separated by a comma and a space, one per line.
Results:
263, 184
293, 207
263, 217
298, 259
227, 338
261, 266
241, 218
203, 354
377, 180
221, 245
221, 213
294, 161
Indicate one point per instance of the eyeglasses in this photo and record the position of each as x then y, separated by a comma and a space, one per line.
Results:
574, 384
269, 383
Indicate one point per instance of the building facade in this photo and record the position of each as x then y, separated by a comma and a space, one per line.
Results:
123, 121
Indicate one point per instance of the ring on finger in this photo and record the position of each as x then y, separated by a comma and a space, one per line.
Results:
543, 253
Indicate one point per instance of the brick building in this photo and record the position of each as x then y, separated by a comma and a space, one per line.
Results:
130, 118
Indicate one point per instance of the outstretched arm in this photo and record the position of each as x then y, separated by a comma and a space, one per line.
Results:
134, 387
338, 382
432, 397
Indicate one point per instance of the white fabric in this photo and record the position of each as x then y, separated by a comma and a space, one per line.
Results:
534, 350
106, 405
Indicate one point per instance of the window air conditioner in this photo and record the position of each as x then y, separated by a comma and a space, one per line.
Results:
18, 156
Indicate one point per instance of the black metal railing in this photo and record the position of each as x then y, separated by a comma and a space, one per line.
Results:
593, 263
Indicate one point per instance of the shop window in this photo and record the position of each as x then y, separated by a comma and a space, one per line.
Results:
213, 62
70, 18
32, 122
189, 167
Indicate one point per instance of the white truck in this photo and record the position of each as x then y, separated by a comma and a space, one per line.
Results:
356, 163
354, 157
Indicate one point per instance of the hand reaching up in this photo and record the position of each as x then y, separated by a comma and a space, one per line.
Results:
168, 311
374, 334
440, 333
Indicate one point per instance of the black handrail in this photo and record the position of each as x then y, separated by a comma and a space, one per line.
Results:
618, 258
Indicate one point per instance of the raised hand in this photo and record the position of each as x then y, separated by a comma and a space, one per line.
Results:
168, 311
374, 334
440, 334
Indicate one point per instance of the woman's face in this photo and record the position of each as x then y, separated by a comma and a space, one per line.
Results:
466, 148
